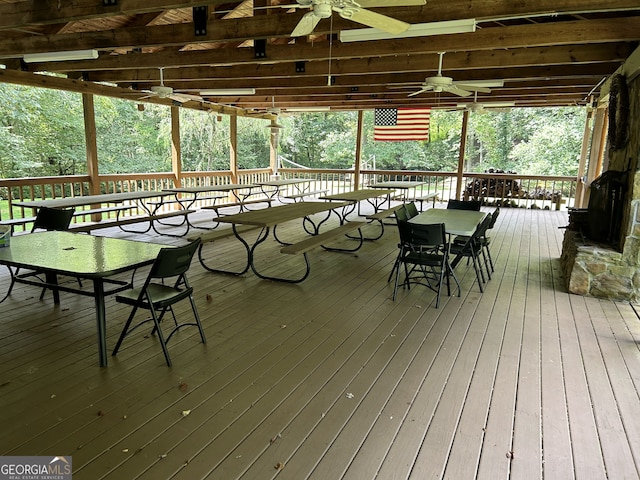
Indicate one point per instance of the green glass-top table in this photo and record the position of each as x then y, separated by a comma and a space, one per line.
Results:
80, 256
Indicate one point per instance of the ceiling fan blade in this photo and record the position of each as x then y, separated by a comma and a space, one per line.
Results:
425, 89
373, 19
473, 88
390, 3
475, 106
457, 91
184, 97
306, 25
481, 83
500, 104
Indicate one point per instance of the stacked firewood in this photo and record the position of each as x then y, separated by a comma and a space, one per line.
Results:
506, 189
493, 187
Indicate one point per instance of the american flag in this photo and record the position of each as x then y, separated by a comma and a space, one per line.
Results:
399, 124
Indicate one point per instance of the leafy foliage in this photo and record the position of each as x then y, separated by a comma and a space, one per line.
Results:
42, 134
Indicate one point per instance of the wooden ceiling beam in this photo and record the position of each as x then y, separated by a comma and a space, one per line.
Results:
510, 37
273, 26
431, 100
582, 73
515, 74
23, 14
28, 13
454, 65
79, 86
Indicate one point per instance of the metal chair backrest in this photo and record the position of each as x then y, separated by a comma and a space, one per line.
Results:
401, 214
53, 219
172, 262
464, 205
411, 209
482, 228
420, 236
494, 217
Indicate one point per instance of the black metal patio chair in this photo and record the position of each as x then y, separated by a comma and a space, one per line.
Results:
454, 204
157, 297
472, 249
424, 254
485, 241
48, 219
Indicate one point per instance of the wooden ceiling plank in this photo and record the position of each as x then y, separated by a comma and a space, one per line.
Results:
22, 14
427, 64
232, 30
519, 74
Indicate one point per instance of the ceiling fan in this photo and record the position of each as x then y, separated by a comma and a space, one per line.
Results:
162, 91
482, 107
440, 83
351, 10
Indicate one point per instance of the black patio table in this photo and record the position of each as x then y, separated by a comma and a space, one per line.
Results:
80, 256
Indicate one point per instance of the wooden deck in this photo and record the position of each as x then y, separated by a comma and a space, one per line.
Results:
330, 379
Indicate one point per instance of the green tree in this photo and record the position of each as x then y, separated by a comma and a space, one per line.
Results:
319, 140
204, 141
43, 130
130, 140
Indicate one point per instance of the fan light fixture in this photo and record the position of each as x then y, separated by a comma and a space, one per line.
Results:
228, 91
60, 56
415, 30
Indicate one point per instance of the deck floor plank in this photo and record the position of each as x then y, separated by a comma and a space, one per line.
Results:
523, 370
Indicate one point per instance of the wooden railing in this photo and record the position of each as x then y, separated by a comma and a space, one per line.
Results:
528, 191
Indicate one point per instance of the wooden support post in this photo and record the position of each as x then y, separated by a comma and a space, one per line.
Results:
91, 144
359, 142
598, 142
233, 147
463, 146
582, 165
176, 151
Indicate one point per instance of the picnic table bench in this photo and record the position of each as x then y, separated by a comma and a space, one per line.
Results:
240, 203
320, 240
121, 222
302, 195
11, 222
433, 196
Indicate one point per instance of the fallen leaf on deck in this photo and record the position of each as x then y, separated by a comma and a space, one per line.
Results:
182, 387
349, 395
186, 412
279, 466
209, 297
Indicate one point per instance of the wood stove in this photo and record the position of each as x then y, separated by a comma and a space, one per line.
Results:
602, 221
